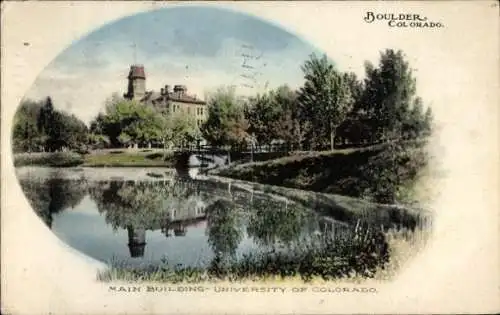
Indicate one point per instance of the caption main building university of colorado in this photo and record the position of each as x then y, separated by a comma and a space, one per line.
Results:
171, 101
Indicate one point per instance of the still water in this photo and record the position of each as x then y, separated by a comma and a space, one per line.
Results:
141, 216
146, 216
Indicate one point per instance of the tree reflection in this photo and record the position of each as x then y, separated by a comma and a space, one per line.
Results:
140, 206
273, 221
224, 232
52, 195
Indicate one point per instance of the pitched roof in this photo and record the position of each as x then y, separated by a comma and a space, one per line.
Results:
175, 97
185, 98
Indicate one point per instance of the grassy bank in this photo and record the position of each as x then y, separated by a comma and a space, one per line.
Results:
56, 159
381, 174
364, 254
343, 208
129, 158
103, 158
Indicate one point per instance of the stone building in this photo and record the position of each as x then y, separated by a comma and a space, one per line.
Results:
176, 100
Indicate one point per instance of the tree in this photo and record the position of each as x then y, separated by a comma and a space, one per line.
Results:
325, 99
389, 91
98, 140
428, 122
287, 126
415, 119
39, 126
117, 117
46, 117
25, 135
126, 121
226, 124
356, 87
260, 114
124, 138
178, 129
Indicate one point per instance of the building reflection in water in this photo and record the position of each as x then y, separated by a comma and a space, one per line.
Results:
181, 218
136, 241
177, 224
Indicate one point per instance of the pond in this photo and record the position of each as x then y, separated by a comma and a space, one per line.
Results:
151, 216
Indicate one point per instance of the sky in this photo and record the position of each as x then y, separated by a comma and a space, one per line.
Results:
200, 47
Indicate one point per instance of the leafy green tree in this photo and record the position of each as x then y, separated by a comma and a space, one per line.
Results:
391, 176
126, 121
273, 116
25, 135
258, 114
73, 132
179, 129
98, 140
97, 124
117, 117
226, 124
145, 127
356, 87
124, 138
38, 126
325, 99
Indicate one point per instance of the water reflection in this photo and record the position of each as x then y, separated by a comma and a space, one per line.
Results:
224, 228
176, 217
53, 195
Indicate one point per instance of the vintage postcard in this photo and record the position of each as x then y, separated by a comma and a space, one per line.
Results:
250, 157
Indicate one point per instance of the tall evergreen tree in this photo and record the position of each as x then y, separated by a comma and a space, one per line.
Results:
428, 122
389, 92
46, 117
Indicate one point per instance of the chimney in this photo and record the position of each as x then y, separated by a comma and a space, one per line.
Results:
181, 89
167, 89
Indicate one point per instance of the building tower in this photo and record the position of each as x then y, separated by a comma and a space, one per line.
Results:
136, 241
136, 83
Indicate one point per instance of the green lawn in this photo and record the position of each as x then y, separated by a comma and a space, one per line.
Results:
124, 158
99, 158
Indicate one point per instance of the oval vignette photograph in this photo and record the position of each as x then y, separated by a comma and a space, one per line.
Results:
200, 144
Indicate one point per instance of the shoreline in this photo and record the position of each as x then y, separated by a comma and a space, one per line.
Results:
114, 158
343, 208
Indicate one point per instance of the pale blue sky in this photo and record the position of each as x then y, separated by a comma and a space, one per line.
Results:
200, 47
